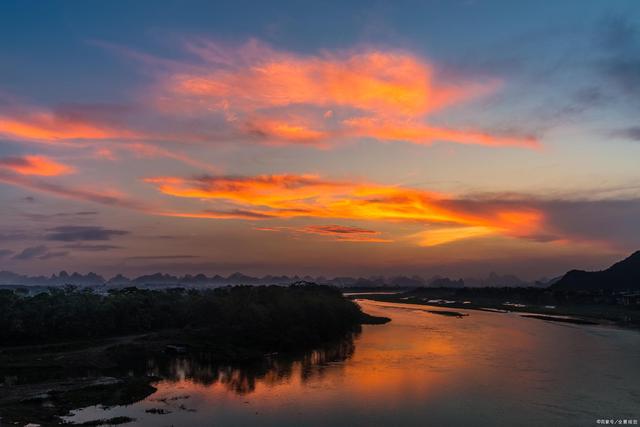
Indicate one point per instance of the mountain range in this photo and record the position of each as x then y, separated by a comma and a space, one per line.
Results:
163, 279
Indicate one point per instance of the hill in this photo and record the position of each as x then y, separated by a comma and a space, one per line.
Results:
623, 275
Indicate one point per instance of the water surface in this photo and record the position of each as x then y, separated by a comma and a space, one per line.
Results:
420, 369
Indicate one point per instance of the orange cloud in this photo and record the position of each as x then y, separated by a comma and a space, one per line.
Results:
451, 234
215, 214
288, 196
280, 130
48, 127
385, 82
396, 91
344, 234
278, 97
34, 165
339, 233
70, 129
418, 133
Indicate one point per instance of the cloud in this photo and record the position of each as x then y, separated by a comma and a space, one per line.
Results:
92, 126
337, 233
287, 98
152, 257
446, 218
47, 217
418, 133
105, 198
38, 252
253, 92
55, 127
290, 196
282, 131
50, 255
343, 233
14, 235
337, 230
604, 219
445, 235
620, 39
148, 150
256, 76
219, 214
274, 229
5, 253
605, 222
34, 165
74, 233
631, 133
91, 248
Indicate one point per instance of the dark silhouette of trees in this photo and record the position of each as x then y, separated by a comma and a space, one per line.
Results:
271, 317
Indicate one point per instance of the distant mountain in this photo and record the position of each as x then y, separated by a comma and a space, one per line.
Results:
119, 280
60, 279
407, 282
623, 275
201, 280
496, 280
445, 282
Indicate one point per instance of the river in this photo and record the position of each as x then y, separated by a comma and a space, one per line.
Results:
420, 369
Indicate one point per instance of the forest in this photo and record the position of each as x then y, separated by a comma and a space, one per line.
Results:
272, 317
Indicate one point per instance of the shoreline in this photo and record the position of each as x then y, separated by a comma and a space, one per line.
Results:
559, 314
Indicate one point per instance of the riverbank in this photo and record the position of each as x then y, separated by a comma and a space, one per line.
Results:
585, 314
43, 382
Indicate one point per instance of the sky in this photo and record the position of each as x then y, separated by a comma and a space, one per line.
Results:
326, 138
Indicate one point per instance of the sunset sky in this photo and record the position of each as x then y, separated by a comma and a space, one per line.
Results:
326, 138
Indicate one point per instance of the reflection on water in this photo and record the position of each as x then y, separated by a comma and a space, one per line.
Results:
201, 370
420, 369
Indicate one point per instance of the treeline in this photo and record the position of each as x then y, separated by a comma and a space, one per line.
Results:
271, 317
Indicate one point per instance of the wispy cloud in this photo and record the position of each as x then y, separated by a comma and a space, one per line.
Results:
74, 233
339, 233
91, 248
161, 257
34, 165
40, 252
104, 129
344, 233
60, 190
53, 128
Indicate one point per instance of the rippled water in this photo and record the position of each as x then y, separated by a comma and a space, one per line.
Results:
420, 369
